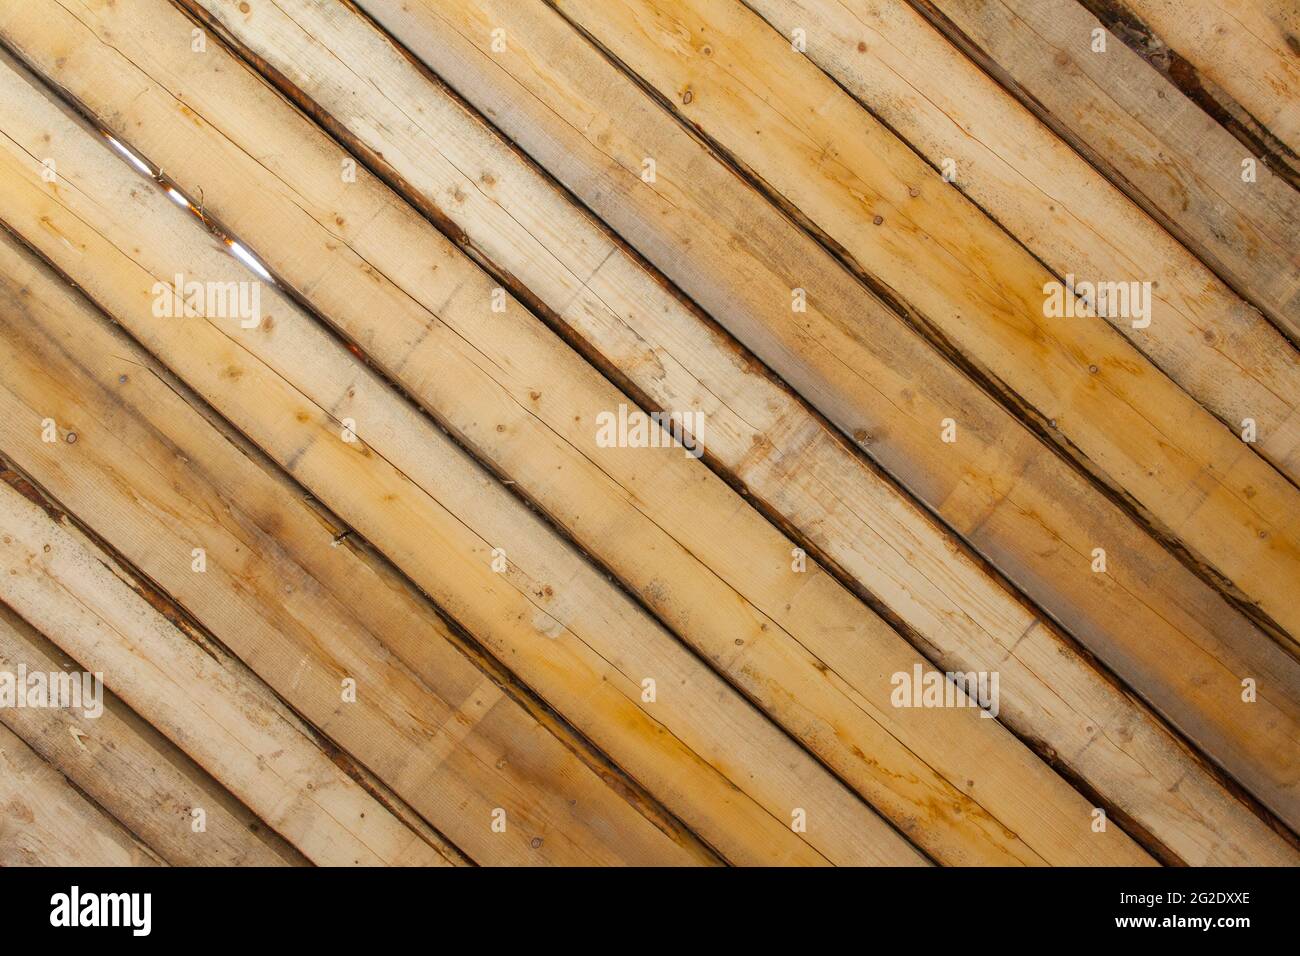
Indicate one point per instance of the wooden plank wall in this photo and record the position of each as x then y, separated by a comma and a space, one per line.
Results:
365, 580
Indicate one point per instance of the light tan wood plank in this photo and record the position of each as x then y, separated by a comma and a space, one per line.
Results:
59, 584
1162, 629
132, 771
45, 822
710, 756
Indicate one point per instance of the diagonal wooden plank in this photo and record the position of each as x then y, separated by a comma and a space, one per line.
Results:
1163, 630
711, 757
231, 726
349, 281
44, 821
133, 772
1248, 49
299, 605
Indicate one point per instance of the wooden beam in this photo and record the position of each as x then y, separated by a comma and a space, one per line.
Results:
228, 724
1146, 616
133, 772
713, 759
46, 822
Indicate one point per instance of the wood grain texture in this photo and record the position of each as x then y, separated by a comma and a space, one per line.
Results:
44, 821
1203, 336
619, 291
711, 757
71, 593
1125, 118
133, 772
819, 647
1248, 48
371, 579
1019, 506
306, 613
978, 290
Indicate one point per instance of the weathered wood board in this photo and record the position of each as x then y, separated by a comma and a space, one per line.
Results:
556, 432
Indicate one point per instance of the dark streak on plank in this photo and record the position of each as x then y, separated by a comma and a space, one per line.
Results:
1202, 91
